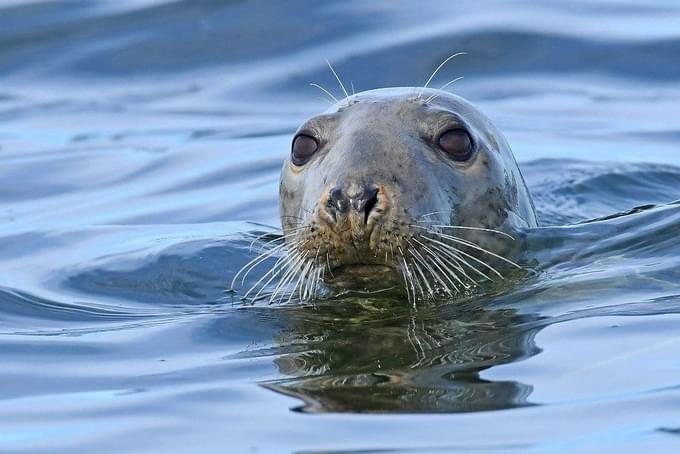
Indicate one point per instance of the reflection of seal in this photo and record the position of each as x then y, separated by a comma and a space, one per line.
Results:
402, 184
408, 361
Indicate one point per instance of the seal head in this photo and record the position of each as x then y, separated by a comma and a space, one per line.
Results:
401, 185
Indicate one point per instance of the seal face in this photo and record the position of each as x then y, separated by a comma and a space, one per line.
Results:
399, 186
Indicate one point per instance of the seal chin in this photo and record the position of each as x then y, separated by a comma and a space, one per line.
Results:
363, 276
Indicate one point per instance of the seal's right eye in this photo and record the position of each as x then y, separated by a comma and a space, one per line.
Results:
457, 144
304, 147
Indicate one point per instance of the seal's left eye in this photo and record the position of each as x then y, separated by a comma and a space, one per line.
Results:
304, 147
457, 143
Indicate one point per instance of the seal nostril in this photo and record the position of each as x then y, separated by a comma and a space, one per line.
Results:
339, 203
371, 198
337, 200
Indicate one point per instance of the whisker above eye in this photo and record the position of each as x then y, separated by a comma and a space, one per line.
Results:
342, 86
434, 95
328, 93
434, 73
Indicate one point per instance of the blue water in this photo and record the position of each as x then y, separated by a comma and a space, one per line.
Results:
140, 146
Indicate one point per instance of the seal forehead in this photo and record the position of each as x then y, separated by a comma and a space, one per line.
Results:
412, 95
409, 103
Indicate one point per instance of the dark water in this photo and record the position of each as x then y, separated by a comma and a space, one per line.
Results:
140, 140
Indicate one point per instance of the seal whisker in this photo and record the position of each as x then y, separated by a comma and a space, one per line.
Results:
456, 260
458, 255
412, 279
478, 229
311, 275
472, 257
407, 281
325, 91
344, 90
314, 281
434, 73
285, 261
441, 89
311, 280
328, 263
304, 281
415, 265
261, 258
432, 213
279, 237
321, 271
452, 255
446, 269
300, 274
436, 261
254, 262
288, 277
259, 237
268, 243
417, 279
428, 266
276, 269
285, 282
292, 266
304, 274
320, 280
474, 246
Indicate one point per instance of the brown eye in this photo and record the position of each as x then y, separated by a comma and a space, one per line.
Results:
457, 144
304, 147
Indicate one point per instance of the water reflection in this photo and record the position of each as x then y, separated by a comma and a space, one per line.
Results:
376, 356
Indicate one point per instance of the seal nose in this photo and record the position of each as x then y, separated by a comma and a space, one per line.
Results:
362, 201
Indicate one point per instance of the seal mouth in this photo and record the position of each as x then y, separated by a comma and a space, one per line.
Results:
361, 268
362, 275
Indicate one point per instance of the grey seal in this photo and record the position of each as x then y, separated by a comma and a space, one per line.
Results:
406, 187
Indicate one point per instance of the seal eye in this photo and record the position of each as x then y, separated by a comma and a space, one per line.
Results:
456, 143
304, 147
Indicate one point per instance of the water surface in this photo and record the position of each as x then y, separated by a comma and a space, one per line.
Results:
140, 146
